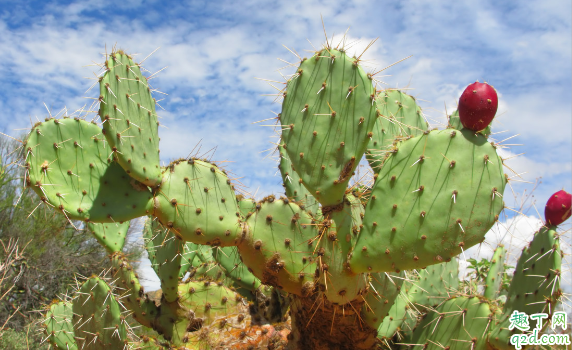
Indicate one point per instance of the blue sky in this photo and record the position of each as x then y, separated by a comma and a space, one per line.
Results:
215, 49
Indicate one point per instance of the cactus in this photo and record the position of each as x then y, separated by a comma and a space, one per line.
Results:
127, 112
343, 258
58, 325
400, 118
110, 235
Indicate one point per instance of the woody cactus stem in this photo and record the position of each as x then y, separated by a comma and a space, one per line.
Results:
339, 253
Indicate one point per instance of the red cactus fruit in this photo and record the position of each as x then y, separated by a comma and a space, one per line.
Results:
558, 207
477, 106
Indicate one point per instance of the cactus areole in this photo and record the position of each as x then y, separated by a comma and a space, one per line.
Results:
477, 106
558, 207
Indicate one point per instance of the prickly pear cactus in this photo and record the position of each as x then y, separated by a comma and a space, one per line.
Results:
360, 266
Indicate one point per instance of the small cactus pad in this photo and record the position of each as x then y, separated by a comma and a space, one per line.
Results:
437, 194
458, 324
69, 167
338, 233
246, 205
135, 299
327, 117
110, 235
401, 318
493, 280
199, 304
383, 292
279, 247
197, 202
130, 124
435, 285
558, 208
59, 326
99, 314
155, 235
535, 286
209, 300
168, 254
400, 117
235, 270
477, 106
295, 190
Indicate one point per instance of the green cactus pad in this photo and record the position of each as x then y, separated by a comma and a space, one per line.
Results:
204, 253
401, 117
209, 300
103, 327
279, 246
458, 324
327, 115
218, 264
535, 286
205, 267
155, 236
383, 292
59, 326
197, 202
338, 233
144, 309
130, 124
438, 194
110, 235
494, 278
292, 183
169, 251
210, 271
70, 169
435, 285
199, 304
235, 270
401, 318
246, 205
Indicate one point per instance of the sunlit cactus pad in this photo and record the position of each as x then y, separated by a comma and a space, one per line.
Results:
130, 124
71, 167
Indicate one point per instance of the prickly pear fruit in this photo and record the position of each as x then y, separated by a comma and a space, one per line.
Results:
477, 106
558, 207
